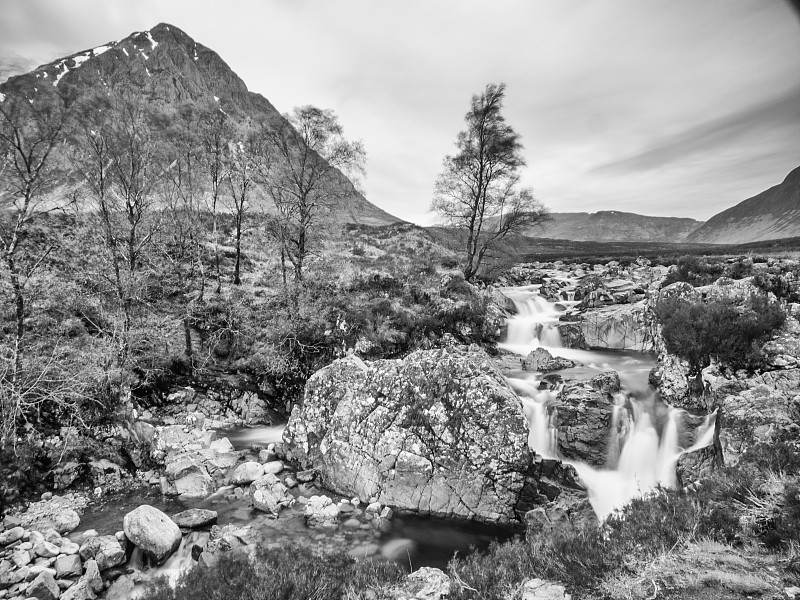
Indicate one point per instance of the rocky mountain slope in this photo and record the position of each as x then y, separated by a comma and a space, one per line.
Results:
770, 215
170, 69
615, 226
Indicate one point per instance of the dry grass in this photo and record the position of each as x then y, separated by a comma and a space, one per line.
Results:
703, 569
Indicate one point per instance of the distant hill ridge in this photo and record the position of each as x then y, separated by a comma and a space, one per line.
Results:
772, 214
170, 68
615, 226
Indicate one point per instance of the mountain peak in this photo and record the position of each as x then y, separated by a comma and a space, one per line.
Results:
168, 68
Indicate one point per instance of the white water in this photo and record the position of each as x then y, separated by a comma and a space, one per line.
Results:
640, 458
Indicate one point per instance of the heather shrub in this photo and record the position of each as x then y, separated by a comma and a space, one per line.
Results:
730, 333
290, 572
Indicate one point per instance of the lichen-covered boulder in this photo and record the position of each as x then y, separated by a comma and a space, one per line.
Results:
542, 361
269, 495
439, 432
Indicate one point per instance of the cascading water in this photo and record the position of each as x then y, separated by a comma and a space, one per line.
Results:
639, 459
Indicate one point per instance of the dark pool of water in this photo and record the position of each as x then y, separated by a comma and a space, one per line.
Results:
413, 541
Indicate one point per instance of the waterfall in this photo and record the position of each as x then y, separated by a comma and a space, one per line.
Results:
534, 325
639, 459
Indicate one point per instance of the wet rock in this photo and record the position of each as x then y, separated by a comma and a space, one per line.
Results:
105, 549
195, 518
584, 417
439, 432
269, 495
43, 587
154, 532
695, 466
247, 473
273, 467
542, 361
321, 512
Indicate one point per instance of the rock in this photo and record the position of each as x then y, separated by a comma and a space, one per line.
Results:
91, 574
697, 465
68, 565
273, 467
154, 532
10, 536
51, 514
265, 456
542, 361
66, 474
44, 587
195, 518
121, 589
46, 549
82, 590
439, 432
105, 473
620, 327
585, 415
247, 473
221, 446
426, 583
321, 512
538, 589
269, 495
186, 477
105, 549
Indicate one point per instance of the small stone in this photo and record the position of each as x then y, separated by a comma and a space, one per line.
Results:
387, 513
273, 467
374, 507
46, 549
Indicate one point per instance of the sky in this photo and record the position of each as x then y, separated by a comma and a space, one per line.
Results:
659, 107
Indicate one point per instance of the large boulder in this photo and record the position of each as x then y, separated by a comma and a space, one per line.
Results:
154, 532
591, 426
764, 408
439, 432
620, 327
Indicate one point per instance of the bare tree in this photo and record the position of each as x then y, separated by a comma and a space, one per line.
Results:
216, 133
239, 173
183, 234
478, 191
30, 133
302, 176
29, 136
118, 155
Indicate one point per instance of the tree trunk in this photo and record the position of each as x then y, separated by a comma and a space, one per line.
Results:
236, 278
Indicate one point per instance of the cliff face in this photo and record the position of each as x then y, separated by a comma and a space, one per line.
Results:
170, 69
772, 214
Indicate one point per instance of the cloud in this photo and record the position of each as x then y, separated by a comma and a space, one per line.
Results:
752, 122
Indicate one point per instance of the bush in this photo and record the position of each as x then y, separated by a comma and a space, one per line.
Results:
701, 270
287, 573
718, 329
